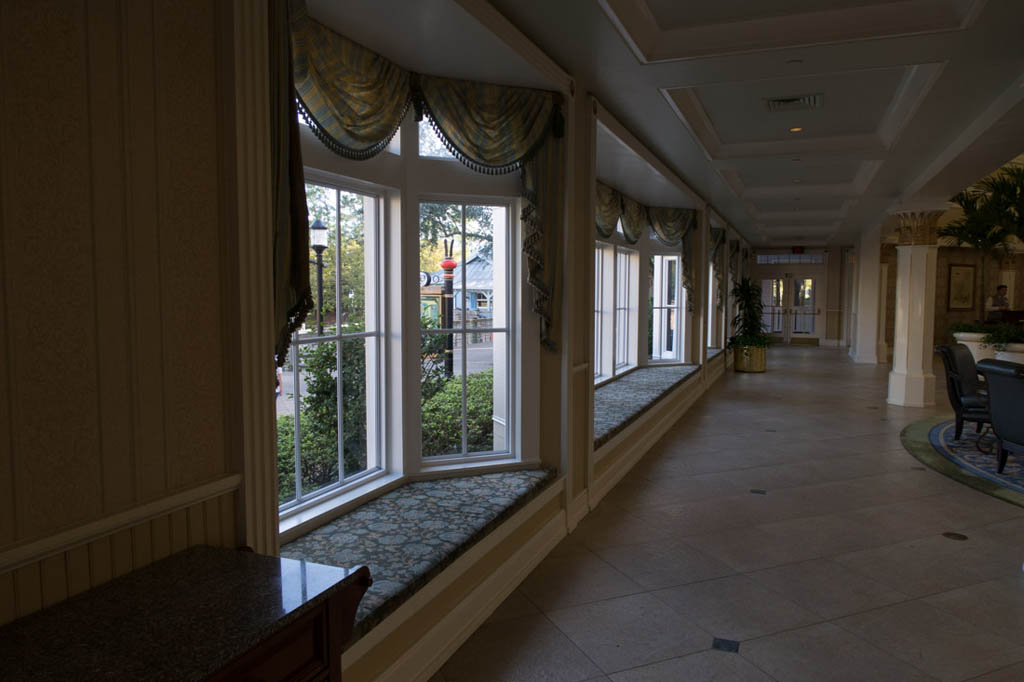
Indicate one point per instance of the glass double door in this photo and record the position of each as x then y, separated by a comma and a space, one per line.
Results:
791, 311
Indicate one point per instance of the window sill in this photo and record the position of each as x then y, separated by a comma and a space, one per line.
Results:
332, 506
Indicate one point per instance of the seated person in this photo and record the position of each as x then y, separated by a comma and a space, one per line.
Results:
999, 302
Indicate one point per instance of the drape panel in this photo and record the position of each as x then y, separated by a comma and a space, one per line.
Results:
670, 224
607, 210
355, 100
351, 97
634, 219
689, 250
718, 257
491, 128
290, 222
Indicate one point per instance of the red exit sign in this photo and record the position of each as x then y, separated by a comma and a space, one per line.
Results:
798, 249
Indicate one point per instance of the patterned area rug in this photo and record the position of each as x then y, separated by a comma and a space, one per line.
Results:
618, 403
409, 535
976, 454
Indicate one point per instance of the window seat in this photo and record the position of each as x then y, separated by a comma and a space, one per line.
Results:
714, 352
409, 535
619, 403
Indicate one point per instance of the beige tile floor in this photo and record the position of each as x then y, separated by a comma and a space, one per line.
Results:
839, 572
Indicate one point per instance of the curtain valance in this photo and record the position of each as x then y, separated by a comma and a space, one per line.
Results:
634, 219
670, 225
607, 210
351, 97
355, 100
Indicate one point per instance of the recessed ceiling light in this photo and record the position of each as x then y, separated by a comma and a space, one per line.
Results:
797, 181
796, 129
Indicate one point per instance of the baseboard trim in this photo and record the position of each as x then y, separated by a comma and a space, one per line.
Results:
417, 658
422, 661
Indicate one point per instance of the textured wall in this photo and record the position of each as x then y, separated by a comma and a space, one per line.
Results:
114, 272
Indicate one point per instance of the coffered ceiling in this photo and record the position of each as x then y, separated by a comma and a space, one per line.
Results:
894, 101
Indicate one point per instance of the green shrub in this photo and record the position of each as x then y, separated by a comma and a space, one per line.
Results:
1003, 334
968, 327
442, 416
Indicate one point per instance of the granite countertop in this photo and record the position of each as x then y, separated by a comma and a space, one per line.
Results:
182, 618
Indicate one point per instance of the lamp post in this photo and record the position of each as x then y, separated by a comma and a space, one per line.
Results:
318, 240
447, 306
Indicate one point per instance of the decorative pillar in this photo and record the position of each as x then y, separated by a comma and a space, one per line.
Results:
911, 381
865, 339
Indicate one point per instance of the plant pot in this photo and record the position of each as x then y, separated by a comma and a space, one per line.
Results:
749, 358
973, 341
1014, 353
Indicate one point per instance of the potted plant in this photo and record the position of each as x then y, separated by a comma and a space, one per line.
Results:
1007, 341
981, 228
750, 343
972, 335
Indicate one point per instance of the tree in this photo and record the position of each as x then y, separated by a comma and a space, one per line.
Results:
1004, 190
980, 229
439, 222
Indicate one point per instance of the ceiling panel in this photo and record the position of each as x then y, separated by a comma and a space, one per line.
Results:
785, 171
669, 14
855, 103
787, 204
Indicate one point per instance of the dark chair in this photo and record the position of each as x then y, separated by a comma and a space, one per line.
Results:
966, 395
1005, 381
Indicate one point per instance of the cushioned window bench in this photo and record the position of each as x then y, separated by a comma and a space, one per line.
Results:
410, 535
619, 403
714, 353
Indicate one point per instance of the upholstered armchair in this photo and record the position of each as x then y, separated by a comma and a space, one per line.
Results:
967, 397
1005, 382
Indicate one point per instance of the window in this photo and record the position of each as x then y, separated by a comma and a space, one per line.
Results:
466, 358
616, 278
329, 408
625, 329
666, 304
430, 143
712, 308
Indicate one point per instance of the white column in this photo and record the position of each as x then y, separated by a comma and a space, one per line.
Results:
883, 291
865, 339
911, 381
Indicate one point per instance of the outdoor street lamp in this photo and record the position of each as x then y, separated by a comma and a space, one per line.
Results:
447, 307
318, 240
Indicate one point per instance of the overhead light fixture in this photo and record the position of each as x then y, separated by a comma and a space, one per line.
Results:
796, 129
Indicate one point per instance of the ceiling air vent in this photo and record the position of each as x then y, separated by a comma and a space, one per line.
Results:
795, 103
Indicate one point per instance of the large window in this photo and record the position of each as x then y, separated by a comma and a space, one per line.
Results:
329, 413
666, 303
466, 358
712, 309
616, 278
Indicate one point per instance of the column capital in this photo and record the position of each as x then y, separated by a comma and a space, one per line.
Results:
918, 227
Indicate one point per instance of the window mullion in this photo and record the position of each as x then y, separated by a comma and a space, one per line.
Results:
463, 340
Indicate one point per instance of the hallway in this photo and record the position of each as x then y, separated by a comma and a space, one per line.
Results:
780, 515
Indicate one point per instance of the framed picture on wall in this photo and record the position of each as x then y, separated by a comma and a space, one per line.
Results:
961, 287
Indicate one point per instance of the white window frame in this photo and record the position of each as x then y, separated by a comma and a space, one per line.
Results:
376, 391
402, 179
512, 258
616, 301
659, 284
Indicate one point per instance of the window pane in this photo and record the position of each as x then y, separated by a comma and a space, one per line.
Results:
441, 394
670, 281
486, 267
430, 144
286, 433
487, 392
322, 204
440, 235
318, 419
355, 376
352, 254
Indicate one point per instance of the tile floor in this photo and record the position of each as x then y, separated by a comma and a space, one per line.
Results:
839, 572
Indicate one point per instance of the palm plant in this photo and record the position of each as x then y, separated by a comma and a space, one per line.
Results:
749, 315
1005, 191
980, 228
